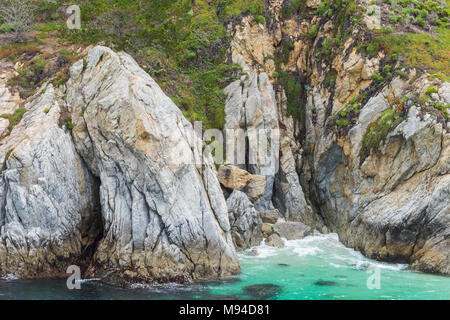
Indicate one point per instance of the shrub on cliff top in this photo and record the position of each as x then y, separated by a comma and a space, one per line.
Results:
181, 44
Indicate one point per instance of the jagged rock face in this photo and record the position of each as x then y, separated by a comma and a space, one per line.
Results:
288, 193
9, 101
234, 178
245, 221
394, 206
386, 204
49, 205
251, 107
391, 205
165, 218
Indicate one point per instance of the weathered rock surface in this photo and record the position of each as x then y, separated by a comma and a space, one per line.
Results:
288, 193
252, 104
165, 218
270, 216
9, 101
245, 221
267, 229
49, 204
251, 110
292, 230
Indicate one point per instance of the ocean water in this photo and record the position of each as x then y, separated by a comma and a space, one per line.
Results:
316, 267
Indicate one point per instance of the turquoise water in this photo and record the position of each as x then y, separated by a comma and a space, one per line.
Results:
317, 267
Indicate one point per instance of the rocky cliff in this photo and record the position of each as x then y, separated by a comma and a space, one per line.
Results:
365, 153
104, 171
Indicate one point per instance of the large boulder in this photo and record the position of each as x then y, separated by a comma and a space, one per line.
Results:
165, 217
49, 204
270, 216
244, 220
234, 178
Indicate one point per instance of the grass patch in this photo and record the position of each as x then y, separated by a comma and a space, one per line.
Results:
182, 44
14, 118
423, 51
378, 131
13, 51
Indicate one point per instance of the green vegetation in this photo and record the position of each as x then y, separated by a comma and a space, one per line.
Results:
424, 51
29, 75
292, 7
12, 51
418, 13
378, 131
5, 28
431, 90
8, 154
347, 116
65, 118
312, 32
182, 44
443, 109
429, 105
14, 118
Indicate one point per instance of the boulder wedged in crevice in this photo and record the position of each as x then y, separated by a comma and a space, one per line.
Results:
251, 112
251, 107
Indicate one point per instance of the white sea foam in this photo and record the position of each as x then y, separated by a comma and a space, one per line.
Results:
10, 277
90, 280
165, 287
326, 246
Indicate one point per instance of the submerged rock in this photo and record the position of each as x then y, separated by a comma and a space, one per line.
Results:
263, 291
274, 241
332, 283
326, 283
244, 220
292, 230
